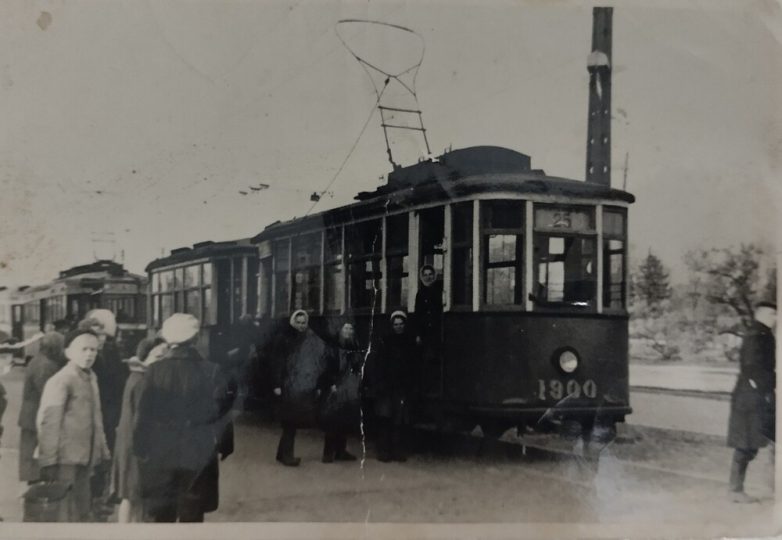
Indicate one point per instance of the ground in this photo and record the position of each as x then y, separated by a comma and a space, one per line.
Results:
648, 477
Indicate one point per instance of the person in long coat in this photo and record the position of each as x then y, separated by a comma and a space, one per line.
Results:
71, 442
125, 482
751, 422
345, 361
428, 322
182, 427
391, 379
48, 361
300, 358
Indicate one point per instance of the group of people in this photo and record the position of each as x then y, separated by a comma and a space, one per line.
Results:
146, 432
338, 385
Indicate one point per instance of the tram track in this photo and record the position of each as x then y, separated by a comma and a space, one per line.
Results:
533, 451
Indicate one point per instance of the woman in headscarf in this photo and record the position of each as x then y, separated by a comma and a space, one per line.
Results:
125, 481
391, 379
48, 361
181, 428
300, 357
340, 383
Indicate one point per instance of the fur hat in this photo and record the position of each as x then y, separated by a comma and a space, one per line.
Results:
76, 333
179, 328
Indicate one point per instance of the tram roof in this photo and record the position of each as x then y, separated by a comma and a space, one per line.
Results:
440, 181
201, 250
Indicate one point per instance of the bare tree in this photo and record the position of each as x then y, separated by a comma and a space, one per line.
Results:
729, 279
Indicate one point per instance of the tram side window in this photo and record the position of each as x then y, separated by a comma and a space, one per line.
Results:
306, 272
461, 253
431, 225
565, 257
614, 287
334, 271
397, 228
281, 276
237, 282
264, 287
364, 246
503, 252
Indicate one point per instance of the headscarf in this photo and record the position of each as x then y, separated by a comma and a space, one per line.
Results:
179, 328
296, 314
398, 313
103, 317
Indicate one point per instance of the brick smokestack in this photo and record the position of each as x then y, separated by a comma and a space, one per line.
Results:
598, 162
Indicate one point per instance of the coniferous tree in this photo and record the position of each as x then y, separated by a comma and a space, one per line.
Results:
651, 284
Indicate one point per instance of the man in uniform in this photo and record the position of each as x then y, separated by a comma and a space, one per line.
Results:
752, 403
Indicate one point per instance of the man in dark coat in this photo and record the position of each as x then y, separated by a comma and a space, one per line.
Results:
752, 404
182, 426
300, 358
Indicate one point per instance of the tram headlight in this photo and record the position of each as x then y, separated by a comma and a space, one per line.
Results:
568, 361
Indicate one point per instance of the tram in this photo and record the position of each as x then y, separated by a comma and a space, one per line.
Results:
101, 284
533, 270
213, 281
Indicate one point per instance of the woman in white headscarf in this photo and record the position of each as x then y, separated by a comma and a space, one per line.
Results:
301, 359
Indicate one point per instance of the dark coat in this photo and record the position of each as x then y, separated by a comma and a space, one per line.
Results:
340, 408
751, 410
112, 374
391, 375
40, 369
429, 311
300, 358
125, 481
182, 423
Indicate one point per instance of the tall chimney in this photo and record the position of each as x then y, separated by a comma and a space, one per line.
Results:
598, 162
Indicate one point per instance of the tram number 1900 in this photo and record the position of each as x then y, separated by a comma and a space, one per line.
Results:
556, 389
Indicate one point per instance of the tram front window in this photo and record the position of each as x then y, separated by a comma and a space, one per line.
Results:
565, 258
503, 252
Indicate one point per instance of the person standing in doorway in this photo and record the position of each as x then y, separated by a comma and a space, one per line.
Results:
752, 401
428, 328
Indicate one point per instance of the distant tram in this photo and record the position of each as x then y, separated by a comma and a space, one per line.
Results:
533, 272
102, 284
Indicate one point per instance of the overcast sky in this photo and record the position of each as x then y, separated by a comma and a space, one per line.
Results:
142, 121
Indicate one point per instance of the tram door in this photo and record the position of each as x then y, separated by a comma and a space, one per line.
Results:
429, 298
